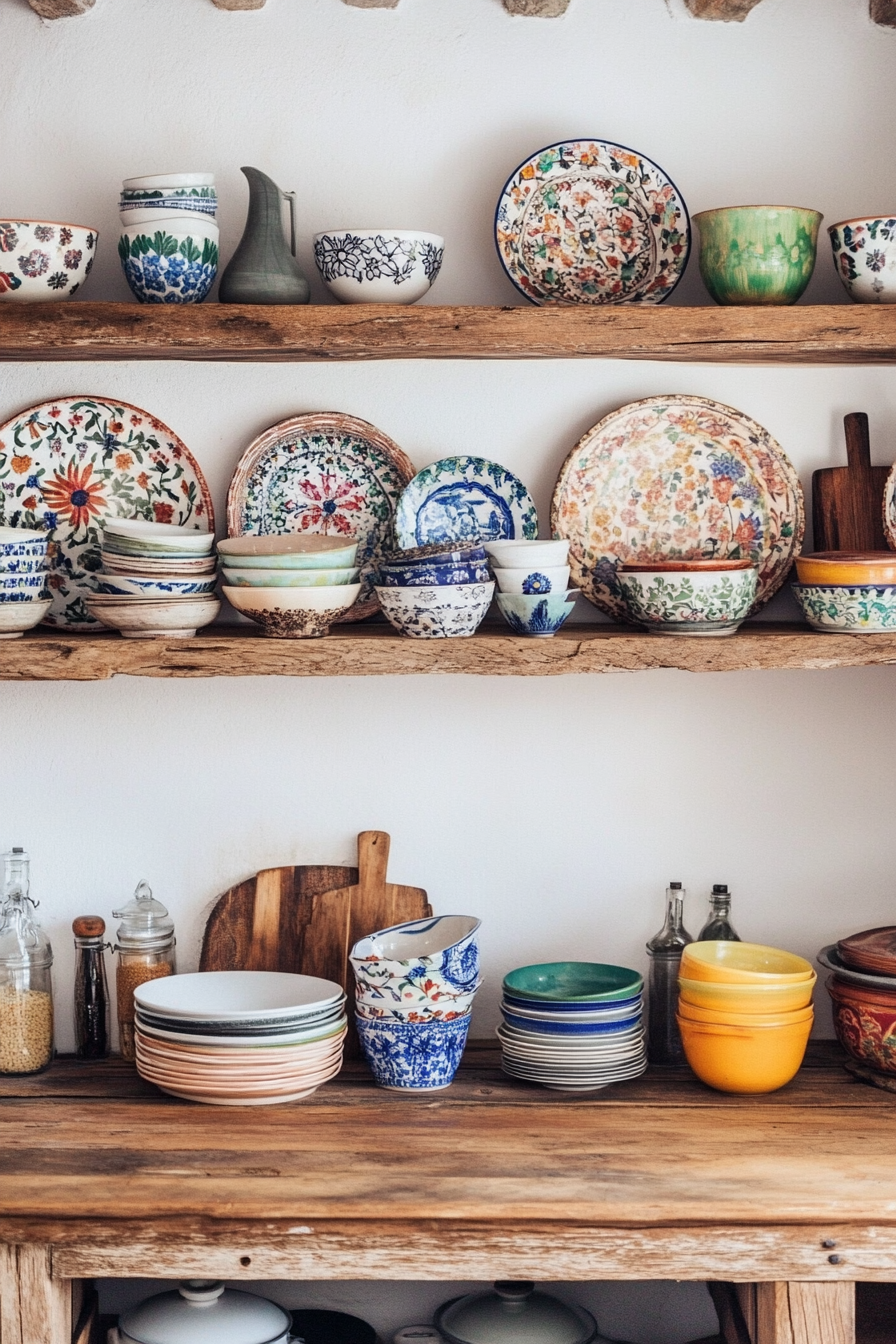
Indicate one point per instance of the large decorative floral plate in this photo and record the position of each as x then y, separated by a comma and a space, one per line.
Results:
326, 473
464, 499
890, 509
677, 477
67, 465
587, 221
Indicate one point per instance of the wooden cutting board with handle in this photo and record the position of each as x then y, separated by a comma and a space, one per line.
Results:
847, 502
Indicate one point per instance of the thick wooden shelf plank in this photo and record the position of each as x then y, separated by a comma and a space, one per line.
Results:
376, 650
805, 334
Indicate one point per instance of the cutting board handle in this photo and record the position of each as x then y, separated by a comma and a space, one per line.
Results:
858, 441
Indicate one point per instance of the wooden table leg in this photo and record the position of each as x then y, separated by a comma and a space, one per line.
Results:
35, 1308
800, 1313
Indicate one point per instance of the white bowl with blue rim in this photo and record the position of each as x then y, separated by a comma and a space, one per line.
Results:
32, 584
423, 575
537, 614
287, 578
536, 580
413, 1056
124, 586
378, 265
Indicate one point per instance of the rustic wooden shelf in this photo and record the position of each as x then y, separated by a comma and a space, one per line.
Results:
805, 334
375, 650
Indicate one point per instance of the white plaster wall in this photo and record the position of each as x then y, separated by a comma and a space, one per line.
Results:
555, 809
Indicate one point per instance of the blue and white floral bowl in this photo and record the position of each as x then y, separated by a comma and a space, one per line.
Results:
434, 576
865, 257
426, 962
536, 613
413, 1056
42, 260
30, 584
448, 611
127, 586
378, 265
536, 580
171, 264
861, 609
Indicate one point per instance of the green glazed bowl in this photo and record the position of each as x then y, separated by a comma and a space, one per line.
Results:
574, 982
757, 254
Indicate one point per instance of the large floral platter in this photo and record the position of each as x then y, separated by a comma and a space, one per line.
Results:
677, 477
67, 465
464, 499
587, 221
324, 473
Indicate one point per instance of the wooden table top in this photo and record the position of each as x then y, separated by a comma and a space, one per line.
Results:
93, 1141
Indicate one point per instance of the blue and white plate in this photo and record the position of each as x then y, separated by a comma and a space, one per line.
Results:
464, 499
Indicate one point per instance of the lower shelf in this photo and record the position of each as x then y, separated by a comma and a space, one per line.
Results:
376, 650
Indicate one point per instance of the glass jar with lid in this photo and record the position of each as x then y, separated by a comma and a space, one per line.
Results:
145, 946
26, 991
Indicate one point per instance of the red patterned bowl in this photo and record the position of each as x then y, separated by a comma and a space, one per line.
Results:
865, 1021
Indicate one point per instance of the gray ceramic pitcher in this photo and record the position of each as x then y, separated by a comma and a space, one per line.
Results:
263, 269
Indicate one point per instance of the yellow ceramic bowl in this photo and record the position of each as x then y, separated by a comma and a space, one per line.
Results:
760, 998
834, 567
744, 1059
720, 1017
743, 964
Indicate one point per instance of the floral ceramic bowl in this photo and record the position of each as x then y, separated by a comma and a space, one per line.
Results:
294, 613
41, 260
757, 254
865, 1022
424, 961
862, 609
688, 602
444, 1009
451, 611
438, 553
536, 613
378, 265
413, 1056
170, 264
535, 580
23, 565
865, 257
434, 576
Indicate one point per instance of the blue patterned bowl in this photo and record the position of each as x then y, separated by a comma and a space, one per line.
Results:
23, 583
538, 1028
536, 613
125, 586
429, 575
437, 553
413, 1056
13, 564
163, 266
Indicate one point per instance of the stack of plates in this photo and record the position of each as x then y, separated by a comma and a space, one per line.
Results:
239, 1038
157, 578
573, 1026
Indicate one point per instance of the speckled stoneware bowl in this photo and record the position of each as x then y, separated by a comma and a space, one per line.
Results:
293, 613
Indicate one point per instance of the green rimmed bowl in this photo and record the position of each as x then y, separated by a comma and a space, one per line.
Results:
573, 982
757, 254
288, 578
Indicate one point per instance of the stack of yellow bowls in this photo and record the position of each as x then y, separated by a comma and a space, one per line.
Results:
745, 1014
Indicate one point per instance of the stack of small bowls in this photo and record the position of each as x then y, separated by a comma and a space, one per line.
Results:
745, 1014
442, 591
848, 593
23, 579
239, 1038
534, 596
573, 1026
294, 587
415, 985
863, 995
169, 236
688, 597
156, 579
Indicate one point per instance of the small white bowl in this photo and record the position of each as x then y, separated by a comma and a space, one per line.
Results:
310, 550
147, 618
546, 579
159, 537
514, 554
159, 181
43, 260
17, 617
293, 613
378, 265
149, 218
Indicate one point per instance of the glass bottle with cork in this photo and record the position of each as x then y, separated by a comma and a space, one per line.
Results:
91, 988
663, 1037
145, 945
718, 928
26, 991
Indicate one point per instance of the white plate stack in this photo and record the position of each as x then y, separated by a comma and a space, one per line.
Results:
239, 1038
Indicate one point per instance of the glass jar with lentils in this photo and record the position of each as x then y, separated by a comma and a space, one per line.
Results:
145, 946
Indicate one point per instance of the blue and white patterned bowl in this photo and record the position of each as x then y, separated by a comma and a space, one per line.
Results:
378, 265
431, 576
424, 962
537, 1028
450, 611
413, 1056
533, 581
123, 586
23, 583
437, 553
168, 265
22, 543
536, 613
848, 609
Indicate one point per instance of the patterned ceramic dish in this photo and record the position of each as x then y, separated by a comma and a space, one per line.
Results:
292, 551
844, 567
449, 611
573, 983
72, 465
688, 602
169, 265
678, 477
447, 1011
435, 941
330, 474
16, 565
134, 210
378, 265
12, 583
288, 578
865, 257
862, 609
123, 586
17, 617
295, 613
536, 613
433, 576
41, 260
587, 221
535, 580
464, 499
150, 567
413, 1056
831, 959
466, 553
412, 989
147, 618
755, 254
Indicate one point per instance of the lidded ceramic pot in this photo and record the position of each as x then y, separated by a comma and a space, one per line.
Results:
145, 946
201, 1311
515, 1313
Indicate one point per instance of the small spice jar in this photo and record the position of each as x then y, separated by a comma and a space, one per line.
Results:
145, 947
91, 989
26, 992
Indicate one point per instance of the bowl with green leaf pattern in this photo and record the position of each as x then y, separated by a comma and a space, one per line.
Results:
689, 601
757, 254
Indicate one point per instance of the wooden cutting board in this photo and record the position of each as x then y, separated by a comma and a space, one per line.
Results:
847, 502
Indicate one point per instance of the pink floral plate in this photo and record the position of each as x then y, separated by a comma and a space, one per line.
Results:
676, 477
587, 221
67, 465
326, 473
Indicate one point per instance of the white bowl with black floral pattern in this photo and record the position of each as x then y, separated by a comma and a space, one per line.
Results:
378, 265
41, 259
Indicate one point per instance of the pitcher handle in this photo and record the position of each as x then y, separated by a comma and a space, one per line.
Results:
291, 197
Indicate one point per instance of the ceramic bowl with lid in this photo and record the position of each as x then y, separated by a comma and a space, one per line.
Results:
514, 1313
201, 1311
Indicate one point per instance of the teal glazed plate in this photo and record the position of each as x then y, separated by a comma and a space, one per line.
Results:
464, 499
574, 982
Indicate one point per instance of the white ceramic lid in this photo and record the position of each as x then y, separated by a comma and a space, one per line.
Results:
204, 1312
514, 1314
235, 995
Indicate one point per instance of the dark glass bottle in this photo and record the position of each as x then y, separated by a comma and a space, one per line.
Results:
718, 928
91, 989
663, 1037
